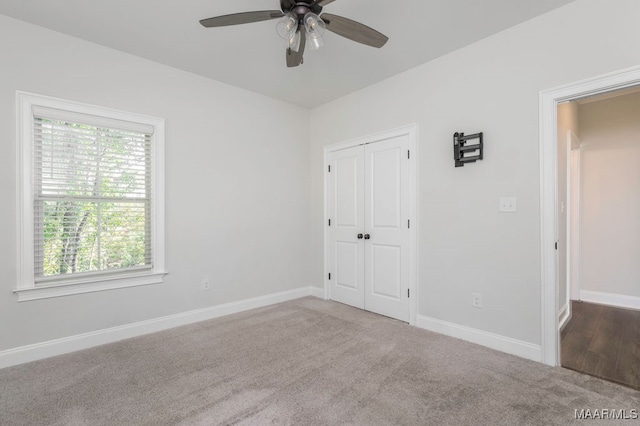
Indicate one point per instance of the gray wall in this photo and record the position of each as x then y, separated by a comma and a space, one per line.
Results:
257, 229
465, 245
237, 198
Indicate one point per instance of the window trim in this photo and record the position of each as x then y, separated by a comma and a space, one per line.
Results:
26, 288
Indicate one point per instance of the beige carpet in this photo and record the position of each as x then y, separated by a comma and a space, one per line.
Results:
303, 362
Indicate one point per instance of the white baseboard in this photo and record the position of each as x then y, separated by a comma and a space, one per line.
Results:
564, 316
484, 338
65, 345
610, 299
317, 292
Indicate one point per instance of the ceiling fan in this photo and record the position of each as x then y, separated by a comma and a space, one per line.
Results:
301, 26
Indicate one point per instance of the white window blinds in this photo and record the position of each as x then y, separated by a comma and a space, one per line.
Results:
92, 195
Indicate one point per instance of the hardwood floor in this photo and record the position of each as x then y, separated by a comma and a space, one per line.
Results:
603, 341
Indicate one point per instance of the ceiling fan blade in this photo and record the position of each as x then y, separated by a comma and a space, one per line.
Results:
354, 30
241, 18
295, 58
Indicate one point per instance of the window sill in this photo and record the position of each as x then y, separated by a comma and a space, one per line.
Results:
101, 284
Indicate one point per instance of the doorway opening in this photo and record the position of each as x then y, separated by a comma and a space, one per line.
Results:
599, 235
563, 274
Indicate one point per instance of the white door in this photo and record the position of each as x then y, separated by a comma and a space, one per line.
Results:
369, 233
346, 206
386, 223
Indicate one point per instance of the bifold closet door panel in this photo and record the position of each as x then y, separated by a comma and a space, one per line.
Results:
386, 207
346, 212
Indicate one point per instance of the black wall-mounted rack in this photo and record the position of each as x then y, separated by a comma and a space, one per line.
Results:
467, 149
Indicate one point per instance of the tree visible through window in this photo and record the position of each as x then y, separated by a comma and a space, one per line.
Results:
92, 188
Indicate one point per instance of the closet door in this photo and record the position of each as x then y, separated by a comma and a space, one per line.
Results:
368, 236
386, 250
346, 212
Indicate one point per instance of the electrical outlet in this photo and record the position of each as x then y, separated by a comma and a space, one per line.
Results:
476, 300
206, 284
508, 205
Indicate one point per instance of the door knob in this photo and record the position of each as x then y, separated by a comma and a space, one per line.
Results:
359, 236
367, 236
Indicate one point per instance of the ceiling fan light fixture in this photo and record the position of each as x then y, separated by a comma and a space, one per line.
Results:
294, 42
314, 43
315, 27
287, 26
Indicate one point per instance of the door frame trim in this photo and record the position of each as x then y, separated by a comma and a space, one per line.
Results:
411, 131
549, 100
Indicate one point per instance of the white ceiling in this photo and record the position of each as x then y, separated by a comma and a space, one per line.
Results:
252, 56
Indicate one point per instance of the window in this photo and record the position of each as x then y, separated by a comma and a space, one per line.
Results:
91, 198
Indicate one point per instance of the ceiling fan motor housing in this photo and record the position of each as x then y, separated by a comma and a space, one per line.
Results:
300, 9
